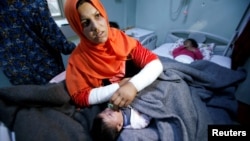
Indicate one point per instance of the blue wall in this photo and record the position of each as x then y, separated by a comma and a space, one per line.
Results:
121, 11
219, 17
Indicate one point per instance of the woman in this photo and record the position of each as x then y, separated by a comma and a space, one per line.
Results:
101, 57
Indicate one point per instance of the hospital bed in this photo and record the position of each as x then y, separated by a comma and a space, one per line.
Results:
213, 47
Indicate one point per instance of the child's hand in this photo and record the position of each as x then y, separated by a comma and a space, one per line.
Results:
124, 95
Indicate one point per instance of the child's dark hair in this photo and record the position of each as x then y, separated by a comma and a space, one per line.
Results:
101, 131
193, 42
114, 24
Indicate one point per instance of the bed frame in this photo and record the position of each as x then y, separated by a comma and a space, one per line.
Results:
150, 41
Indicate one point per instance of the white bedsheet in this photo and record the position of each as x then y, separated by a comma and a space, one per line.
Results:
5, 134
164, 50
184, 59
221, 60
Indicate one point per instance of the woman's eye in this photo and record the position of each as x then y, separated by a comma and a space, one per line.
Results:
85, 23
98, 15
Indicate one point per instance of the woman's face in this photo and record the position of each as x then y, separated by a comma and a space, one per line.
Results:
113, 118
95, 27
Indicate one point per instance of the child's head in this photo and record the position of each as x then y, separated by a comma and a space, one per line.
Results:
107, 125
190, 43
114, 24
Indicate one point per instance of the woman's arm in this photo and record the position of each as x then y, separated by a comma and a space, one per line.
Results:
198, 54
150, 64
147, 75
85, 90
87, 94
102, 94
151, 69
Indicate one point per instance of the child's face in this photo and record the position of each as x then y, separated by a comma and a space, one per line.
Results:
187, 43
112, 118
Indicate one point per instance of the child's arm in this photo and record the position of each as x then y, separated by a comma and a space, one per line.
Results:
198, 54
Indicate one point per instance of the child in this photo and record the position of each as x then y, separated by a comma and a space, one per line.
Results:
109, 123
188, 52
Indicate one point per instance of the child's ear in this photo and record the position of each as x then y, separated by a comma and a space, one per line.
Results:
119, 126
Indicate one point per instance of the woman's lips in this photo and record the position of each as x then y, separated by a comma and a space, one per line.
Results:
100, 35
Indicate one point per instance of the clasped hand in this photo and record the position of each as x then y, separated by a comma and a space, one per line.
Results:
124, 95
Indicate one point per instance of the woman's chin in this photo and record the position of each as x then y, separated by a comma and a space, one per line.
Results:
100, 40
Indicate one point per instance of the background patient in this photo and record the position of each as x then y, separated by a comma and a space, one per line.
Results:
109, 123
188, 52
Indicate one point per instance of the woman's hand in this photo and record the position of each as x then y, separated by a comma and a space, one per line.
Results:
124, 81
124, 95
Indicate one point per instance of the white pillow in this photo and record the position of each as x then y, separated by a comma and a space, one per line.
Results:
177, 43
207, 50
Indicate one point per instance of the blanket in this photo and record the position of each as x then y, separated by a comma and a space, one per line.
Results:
182, 101
185, 100
44, 112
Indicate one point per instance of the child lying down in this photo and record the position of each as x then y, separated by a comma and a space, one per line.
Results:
109, 123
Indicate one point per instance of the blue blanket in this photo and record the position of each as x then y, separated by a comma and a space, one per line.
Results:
185, 100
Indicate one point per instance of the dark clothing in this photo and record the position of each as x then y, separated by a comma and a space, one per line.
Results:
31, 43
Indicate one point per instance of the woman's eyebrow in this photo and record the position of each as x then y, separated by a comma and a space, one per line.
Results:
85, 18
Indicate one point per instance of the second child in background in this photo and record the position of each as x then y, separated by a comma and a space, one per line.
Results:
188, 52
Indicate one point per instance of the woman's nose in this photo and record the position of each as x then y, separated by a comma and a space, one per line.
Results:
94, 26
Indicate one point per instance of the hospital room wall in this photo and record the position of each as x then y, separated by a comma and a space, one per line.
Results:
219, 17
121, 11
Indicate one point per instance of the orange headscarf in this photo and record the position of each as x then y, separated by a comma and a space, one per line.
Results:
98, 61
